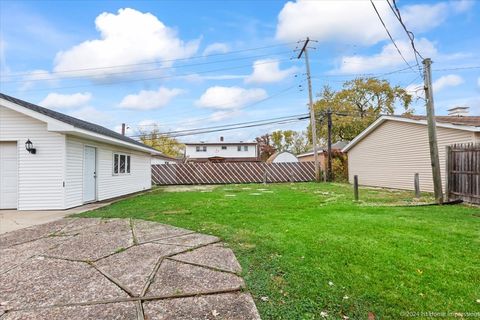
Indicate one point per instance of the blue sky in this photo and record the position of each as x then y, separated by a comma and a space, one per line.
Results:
192, 64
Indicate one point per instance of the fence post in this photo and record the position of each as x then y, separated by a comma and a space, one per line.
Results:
448, 169
355, 187
417, 185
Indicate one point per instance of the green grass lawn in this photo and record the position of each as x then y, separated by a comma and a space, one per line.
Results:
307, 250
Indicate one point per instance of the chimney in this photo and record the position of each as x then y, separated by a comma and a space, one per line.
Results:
123, 129
458, 111
221, 139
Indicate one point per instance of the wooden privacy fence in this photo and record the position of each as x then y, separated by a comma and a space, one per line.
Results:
232, 172
463, 172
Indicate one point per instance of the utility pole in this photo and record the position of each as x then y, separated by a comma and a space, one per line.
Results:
432, 132
313, 125
329, 145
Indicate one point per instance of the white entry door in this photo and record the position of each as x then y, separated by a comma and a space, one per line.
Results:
90, 174
8, 175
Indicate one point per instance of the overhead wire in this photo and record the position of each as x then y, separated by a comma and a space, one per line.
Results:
111, 74
389, 34
163, 61
153, 78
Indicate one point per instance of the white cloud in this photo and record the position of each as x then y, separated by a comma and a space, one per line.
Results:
343, 21
92, 115
424, 17
460, 6
388, 57
66, 101
128, 37
216, 47
229, 97
267, 71
149, 99
354, 21
451, 80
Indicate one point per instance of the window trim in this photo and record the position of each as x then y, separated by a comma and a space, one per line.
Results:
127, 164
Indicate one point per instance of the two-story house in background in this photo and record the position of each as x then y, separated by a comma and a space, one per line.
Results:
221, 151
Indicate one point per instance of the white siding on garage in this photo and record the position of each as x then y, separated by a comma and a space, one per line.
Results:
391, 154
108, 184
41, 175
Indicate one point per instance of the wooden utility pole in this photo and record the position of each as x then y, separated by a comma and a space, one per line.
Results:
432, 132
329, 145
313, 125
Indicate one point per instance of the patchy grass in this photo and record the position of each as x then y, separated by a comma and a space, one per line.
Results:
309, 252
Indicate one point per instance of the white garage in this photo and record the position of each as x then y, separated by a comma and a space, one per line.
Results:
49, 160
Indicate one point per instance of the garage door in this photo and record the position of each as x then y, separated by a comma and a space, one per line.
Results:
8, 175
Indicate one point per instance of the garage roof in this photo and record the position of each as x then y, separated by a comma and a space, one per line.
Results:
76, 122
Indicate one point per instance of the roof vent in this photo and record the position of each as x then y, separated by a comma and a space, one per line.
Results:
458, 111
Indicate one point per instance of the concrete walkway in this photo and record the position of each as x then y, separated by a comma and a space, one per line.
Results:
119, 269
11, 220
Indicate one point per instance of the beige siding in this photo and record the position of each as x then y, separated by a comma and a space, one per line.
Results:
41, 175
391, 155
108, 185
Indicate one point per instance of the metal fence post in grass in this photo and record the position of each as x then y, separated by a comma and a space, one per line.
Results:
355, 187
417, 185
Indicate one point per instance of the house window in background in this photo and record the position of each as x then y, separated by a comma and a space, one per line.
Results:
224, 147
201, 148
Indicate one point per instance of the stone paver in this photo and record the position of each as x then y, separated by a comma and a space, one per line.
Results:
94, 269
94, 242
148, 231
231, 306
18, 254
45, 282
215, 256
32, 233
133, 266
177, 278
120, 311
190, 240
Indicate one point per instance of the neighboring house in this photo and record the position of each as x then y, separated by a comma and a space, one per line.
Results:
282, 157
162, 159
392, 149
322, 154
69, 162
221, 151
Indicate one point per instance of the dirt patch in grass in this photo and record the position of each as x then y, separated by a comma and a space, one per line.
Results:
207, 188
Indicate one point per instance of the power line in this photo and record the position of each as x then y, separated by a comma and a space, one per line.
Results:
155, 62
153, 78
389, 35
230, 111
227, 125
110, 74
410, 34
235, 127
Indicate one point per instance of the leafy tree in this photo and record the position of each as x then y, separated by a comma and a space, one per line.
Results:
357, 105
265, 146
167, 145
290, 140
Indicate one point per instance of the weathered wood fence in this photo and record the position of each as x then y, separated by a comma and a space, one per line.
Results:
232, 172
463, 172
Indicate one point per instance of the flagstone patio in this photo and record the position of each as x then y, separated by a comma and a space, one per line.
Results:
78, 268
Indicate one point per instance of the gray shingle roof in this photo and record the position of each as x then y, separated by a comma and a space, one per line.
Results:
74, 121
